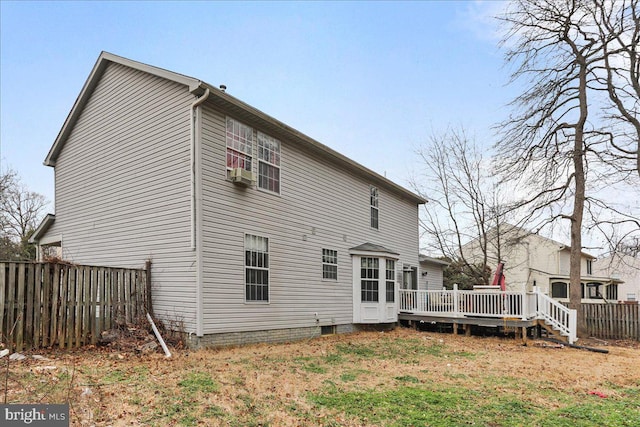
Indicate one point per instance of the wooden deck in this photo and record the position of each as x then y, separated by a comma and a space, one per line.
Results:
518, 326
516, 311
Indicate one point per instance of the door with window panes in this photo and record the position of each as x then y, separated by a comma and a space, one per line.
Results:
375, 291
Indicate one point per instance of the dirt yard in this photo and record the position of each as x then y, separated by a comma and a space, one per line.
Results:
283, 385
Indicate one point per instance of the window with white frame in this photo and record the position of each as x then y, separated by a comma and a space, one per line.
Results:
589, 267
239, 145
373, 193
256, 249
612, 292
268, 163
329, 264
631, 297
369, 275
391, 281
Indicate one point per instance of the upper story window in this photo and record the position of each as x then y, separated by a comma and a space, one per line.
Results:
373, 192
256, 249
329, 264
589, 267
239, 145
268, 163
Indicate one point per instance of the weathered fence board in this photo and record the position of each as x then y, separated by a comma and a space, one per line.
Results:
48, 304
612, 321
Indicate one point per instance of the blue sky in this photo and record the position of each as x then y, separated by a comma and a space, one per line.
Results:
371, 80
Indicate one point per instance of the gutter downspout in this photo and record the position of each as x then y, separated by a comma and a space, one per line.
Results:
196, 201
194, 166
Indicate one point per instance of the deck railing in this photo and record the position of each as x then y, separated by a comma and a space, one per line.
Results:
495, 304
457, 303
558, 316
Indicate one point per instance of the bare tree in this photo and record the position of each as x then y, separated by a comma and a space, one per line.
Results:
618, 25
20, 212
464, 207
548, 143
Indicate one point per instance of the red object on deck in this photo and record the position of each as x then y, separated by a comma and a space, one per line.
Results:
498, 279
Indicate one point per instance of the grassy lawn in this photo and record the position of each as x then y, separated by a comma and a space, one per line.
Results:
398, 378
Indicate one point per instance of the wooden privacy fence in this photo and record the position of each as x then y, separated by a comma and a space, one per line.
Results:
51, 304
612, 321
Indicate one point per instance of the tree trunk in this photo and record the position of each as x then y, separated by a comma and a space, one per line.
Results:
575, 270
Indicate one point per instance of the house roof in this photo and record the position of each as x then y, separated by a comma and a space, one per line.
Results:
226, 102
46, 223
372, 247
424, 258
526, 233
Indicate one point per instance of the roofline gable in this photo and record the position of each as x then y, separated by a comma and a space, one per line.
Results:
105, 58
44, 226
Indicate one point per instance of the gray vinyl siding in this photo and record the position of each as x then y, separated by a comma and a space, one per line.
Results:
320, 206
123, 185
433, 280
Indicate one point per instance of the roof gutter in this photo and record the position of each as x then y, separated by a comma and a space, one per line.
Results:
196, 201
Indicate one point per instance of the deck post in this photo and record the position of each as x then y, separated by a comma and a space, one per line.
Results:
525, 306
455, 300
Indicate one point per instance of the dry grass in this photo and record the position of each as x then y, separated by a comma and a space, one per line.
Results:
278, 385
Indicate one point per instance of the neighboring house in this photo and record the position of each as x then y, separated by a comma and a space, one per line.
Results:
535, 261
623, 267
431, 276
255, 231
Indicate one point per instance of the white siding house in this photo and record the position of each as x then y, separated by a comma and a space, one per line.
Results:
255, 231
431, 273
625, 268
532, 261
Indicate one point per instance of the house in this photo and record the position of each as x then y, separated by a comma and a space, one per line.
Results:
625, 268
532, 261
432, 273
255, 231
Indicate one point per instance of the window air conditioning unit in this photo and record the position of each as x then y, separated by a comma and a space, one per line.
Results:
242, 176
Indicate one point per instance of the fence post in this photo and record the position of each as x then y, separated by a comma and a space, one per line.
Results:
147, 300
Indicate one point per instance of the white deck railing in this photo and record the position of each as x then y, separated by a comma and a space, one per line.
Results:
496, 304
558, 316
